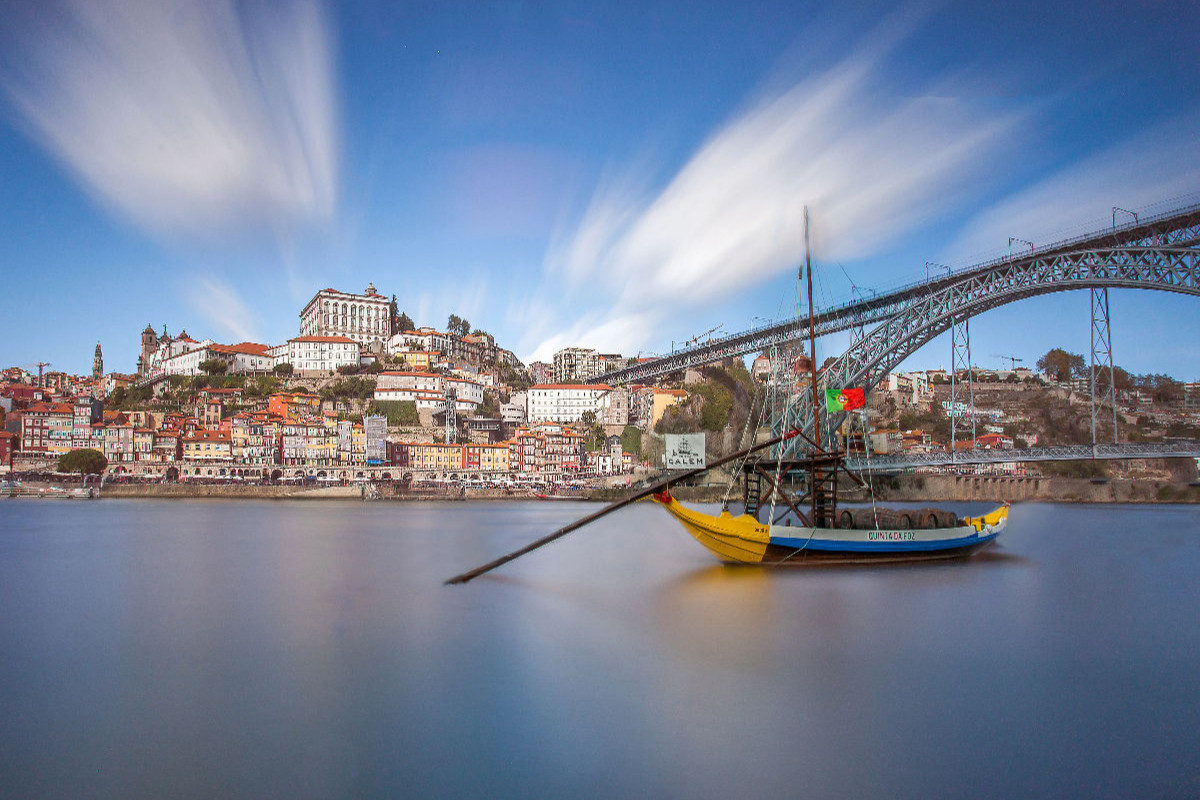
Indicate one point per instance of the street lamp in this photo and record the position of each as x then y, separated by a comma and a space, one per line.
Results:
1115, 209
1012, 239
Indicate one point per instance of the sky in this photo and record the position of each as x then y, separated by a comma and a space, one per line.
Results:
620, 176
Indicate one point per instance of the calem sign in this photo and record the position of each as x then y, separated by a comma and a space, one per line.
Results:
684, 451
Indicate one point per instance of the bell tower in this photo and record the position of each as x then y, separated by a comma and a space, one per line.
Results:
98, 363
149, 345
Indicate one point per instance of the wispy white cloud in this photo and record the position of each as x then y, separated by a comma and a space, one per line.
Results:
1153, 167
872, 162
223, 308
191, 118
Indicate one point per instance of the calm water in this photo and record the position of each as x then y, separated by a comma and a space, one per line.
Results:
217, 649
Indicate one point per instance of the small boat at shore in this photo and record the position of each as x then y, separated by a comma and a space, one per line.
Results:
743, 539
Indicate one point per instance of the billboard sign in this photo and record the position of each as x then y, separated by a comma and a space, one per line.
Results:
685, 451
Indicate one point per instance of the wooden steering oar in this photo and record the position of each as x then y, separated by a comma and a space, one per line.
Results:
579, 523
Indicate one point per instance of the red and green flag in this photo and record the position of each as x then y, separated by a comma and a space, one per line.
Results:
844, 399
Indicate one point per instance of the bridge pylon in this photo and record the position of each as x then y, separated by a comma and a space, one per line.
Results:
960, 359
1101, 359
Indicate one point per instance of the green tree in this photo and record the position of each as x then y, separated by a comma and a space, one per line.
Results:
1062, 366
398, 412
631, 440
283, 369
489, 407
214, 366
86, 462
405, 323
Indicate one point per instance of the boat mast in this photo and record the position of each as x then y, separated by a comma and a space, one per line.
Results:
822, 466
812, 337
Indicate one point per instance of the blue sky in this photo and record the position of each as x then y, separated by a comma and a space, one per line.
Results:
622, 176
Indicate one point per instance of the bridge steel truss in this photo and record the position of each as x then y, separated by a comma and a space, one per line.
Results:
1075, 452
867, 362
1177, 231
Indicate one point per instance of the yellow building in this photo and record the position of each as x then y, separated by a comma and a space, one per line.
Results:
418, 360
664, 399
206, 445
320, 445
434, 457
489, 458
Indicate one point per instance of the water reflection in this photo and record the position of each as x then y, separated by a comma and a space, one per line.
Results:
716, 615
209, 649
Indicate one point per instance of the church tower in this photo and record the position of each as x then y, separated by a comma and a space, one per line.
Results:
98, 363
149, 345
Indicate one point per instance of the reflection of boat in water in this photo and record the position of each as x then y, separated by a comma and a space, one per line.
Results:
745, 540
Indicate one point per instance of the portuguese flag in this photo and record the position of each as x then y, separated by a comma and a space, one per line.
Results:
844, 399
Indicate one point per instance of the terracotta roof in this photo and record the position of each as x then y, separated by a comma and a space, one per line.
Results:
208, 436
246, 348
51, 408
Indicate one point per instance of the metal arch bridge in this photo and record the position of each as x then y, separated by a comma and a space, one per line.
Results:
1163, 256
1158, 252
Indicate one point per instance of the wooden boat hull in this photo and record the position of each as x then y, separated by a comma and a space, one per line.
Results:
745, 540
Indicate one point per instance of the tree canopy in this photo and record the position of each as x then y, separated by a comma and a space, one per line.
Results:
85, 461
1062, 366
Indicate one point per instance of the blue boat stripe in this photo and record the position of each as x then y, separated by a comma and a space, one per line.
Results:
804, 543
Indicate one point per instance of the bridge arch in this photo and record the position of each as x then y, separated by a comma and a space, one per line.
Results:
923, 318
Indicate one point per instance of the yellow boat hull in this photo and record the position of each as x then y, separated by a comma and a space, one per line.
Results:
745, 540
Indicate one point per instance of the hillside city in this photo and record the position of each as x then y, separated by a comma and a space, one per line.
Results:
363, 393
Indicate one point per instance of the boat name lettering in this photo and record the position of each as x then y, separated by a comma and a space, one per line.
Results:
891, 536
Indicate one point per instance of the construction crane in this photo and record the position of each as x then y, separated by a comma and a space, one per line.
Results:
1012, 359
41, 365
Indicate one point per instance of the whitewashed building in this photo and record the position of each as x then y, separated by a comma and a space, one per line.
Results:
559, 402
428, 390
317, 355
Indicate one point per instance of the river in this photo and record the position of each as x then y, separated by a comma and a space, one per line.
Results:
309, 649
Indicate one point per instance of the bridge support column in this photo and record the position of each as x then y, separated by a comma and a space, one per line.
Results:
960, 359
1101, 358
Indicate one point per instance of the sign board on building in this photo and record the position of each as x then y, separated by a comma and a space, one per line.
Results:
685, 451
955, 409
